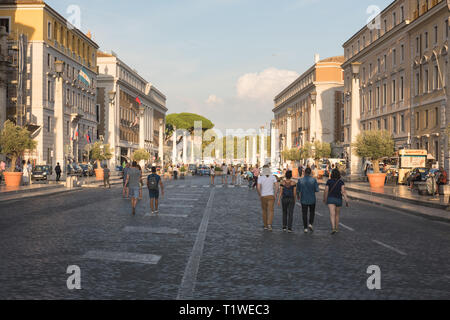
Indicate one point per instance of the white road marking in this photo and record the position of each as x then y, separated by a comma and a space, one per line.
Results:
182, 186
182, 199
165, 215
151, 230
123, 257
174, 206
346, 227
186, 290
389, 247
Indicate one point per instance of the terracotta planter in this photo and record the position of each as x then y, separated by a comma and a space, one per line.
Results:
13, 179
377, 180
99, 174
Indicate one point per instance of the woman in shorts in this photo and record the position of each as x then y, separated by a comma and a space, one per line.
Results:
334, 192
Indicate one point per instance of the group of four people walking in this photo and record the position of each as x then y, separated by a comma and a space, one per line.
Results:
304, 190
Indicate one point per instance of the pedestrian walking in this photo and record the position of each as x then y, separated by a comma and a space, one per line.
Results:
2, 169
154, 183
106, 175
29, 170
133, 181
58, 172
140, 183
233, 175
307, 187
224, 174
334, 192
256, 173
267, 191
126, 190
212, 173
287, 196
175, 173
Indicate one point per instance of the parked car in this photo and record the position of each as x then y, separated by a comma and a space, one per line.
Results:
40, 173
74, 169
277, 173
204, 170
88, 170
423, 172
193, 169
49, 169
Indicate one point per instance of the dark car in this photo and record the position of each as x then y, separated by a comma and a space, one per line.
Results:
417, 174
88, 170
40, 173
74, 170
193, 169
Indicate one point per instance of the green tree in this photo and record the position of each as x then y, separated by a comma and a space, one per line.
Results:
141, 154
101, 152
14, 141
321, 150
374, 145
185, 121
292, 155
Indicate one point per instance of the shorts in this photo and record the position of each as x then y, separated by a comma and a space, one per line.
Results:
134, 192
154, 194
335, 201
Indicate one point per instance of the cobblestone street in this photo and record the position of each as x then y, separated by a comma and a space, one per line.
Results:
208, 243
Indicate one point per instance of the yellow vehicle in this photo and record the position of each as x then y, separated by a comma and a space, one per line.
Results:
409, 160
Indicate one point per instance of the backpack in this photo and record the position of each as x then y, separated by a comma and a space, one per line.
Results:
152, 182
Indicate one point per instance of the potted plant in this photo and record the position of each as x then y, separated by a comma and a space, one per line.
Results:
14, 141
375, 145
141, 155
321, 150
100, 152
182, 172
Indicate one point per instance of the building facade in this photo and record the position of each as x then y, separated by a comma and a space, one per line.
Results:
395, 74
132, 111
58, 106
4, 70
305, 110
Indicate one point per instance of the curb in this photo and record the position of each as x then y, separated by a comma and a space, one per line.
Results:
41, 195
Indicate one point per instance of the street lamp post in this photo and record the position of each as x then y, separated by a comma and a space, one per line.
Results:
112, 121
313, 97
59, 118
355, 167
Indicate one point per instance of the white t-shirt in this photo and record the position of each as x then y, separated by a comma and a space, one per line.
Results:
225, 169
267, 185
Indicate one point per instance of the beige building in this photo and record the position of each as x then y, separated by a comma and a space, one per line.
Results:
57, 107
306, 109
125, 124
395, 74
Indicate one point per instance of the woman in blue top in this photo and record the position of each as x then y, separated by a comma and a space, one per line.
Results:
334, 191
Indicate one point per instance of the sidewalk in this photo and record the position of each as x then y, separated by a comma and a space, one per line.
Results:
399, 198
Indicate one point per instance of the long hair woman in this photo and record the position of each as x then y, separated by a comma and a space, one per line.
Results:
334, 192
287, 196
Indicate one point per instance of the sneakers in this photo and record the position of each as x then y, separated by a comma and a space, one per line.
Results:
311, 228
269, 228
290, 231
265, 228
306, 230
156, 211
284, 229
333, 232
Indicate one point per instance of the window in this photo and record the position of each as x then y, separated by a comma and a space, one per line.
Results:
417, 83
425, 81
385, 25
417, 120
426, 119
48, 124
49, 90
402, 123
385, 62
370, 100
394, 19
379, 65
394, 91
378, 97
97, 112
435, 34
403, 52
417, 44
426, 40
436, 113
370, 125
379, 124
402, 13
49, 61
402, 88
5, 22
394, 57
436, 78
370, 70
67, 128
446, 29
49, 30
394, 123
384, 94
385, 123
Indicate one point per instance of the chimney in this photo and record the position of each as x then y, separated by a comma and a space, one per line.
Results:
316, 58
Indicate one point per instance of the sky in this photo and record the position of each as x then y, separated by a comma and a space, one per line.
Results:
223, 59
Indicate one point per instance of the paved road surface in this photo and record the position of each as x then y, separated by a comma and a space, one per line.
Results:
208, 243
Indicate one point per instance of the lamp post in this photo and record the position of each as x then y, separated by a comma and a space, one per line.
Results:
161, 142
112, 126
313, 97
59, 118
355, 167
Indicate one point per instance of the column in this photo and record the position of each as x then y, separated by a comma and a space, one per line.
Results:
59, 127
192, 150
184, 147
174, 149
111, 128
262, 149
355, 162
247, 152
254, 150
141, 127
289, 130
161, 142
273, 147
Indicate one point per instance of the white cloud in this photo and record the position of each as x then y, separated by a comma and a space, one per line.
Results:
213, 100
264, 86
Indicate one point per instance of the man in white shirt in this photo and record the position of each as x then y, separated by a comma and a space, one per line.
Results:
267, 188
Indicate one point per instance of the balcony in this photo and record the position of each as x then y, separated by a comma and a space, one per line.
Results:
76, 114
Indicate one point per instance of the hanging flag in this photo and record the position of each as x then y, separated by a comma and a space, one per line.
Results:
83, 77
88, 138
138, 100
76, 134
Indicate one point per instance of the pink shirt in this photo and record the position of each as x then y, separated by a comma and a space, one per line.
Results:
256, 172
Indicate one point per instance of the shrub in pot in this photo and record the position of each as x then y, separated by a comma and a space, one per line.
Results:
14, 141
100, 152
141, 155
375, 145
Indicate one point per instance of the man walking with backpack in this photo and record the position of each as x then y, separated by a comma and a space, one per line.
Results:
154, 181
